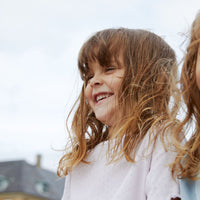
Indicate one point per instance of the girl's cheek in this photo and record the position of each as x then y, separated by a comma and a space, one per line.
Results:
198, 69
86, 93
88, 96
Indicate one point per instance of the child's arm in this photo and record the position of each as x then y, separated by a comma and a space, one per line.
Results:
159, 182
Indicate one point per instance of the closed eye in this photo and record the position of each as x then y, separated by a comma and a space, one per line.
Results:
110, 69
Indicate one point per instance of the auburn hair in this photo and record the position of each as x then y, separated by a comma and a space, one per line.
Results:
144, 97
187, 163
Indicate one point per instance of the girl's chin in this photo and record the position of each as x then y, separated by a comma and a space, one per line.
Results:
104, 120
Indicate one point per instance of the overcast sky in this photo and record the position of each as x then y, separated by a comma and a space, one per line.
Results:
39, 43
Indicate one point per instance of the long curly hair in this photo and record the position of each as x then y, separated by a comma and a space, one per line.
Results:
187, 163
144, 98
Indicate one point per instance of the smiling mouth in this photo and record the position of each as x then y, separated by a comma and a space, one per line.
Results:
101, 97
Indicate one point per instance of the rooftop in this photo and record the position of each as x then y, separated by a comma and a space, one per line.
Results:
19, 176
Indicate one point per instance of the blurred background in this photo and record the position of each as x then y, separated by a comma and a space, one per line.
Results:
39, 80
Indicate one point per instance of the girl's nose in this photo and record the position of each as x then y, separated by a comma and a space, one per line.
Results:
95, 81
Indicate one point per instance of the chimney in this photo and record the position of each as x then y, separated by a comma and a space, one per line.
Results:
38, 161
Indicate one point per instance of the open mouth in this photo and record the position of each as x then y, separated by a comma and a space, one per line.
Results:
101, 97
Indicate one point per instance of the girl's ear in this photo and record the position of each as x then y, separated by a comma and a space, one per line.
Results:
198, 68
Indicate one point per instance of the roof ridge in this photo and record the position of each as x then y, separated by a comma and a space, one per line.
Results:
33, 180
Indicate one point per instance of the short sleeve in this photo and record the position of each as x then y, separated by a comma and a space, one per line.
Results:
159, 182
66, 192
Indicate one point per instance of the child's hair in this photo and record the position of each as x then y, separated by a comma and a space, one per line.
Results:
144, 95
187, 163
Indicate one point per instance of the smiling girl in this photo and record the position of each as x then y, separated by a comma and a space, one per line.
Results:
118, 138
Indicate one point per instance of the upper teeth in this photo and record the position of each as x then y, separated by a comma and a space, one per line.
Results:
102, 96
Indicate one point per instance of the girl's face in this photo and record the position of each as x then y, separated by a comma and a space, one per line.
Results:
102, 90
198, 69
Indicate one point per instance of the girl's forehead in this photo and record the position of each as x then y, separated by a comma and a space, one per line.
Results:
102, 51
114, 61
105, 55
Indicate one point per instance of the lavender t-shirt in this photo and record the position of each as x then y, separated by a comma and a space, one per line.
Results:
148, 178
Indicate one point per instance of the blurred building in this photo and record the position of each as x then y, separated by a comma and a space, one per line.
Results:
22, 181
